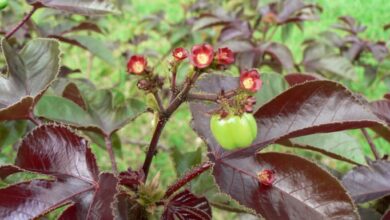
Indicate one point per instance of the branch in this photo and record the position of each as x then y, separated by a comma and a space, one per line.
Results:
163, 118
173, 82
153, 145
192, 174
211, 97
21, 23
33, 119
107, 139
159, 101
371, 143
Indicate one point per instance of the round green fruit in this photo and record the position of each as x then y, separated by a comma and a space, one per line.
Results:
3, 4
233, 132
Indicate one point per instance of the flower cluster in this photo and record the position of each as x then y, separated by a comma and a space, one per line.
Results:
202, 56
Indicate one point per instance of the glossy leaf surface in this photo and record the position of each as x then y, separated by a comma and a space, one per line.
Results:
84, 7
301, 189
368, 183
30, 72
186, 205
58, 152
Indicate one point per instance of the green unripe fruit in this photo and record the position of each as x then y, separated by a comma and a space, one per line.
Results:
3, 4
235, 131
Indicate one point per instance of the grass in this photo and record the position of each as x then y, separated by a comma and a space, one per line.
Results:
178, 134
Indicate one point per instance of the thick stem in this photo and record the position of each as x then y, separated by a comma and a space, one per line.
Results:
183, 94
21, 23
163, 118
107, 139
153, 145
371, 143
192, 174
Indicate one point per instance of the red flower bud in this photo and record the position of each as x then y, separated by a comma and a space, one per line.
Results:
250, 80
137, 64
202, 55
225, 56
266, 177
179, 53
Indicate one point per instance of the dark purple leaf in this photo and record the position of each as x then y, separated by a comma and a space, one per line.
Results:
94, 45
101, 205
313, 107
290, 7
57, 151
279, 55
84, 7
237, 29
298, 78
292, 12
301, 190
381, 108
320, 58
350, 25
207, 21
72, 93
186, 205
102, 114
379, 50
337, 145
386, 216
368, 183
30, 73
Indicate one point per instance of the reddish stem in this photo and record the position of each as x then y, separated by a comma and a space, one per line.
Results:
107, 139
371, 143
163, 118
33, 119
192, 174
153, 145
21, 23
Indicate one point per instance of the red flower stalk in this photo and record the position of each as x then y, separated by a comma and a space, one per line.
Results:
179, 53
137, 64
266, 177
250, 80
225, 56
202, 55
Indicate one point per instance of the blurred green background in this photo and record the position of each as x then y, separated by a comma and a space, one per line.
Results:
135, 136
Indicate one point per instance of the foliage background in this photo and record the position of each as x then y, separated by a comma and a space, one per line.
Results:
125, 28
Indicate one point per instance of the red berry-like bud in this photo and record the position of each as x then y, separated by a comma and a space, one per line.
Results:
137, 64
225, 56
179, 53
250, 80
202, 55
266, 177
